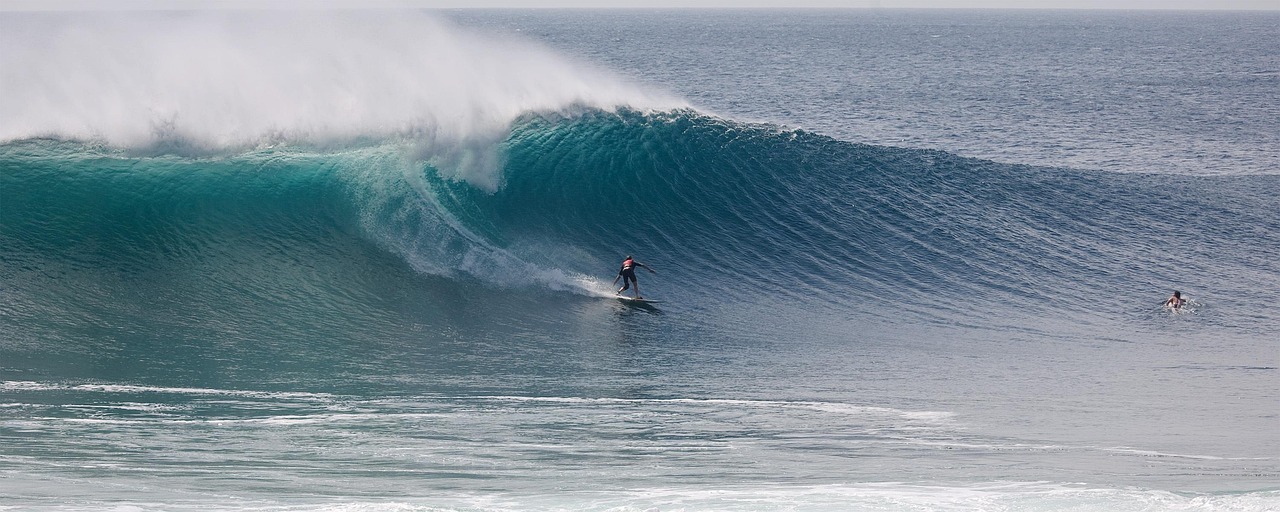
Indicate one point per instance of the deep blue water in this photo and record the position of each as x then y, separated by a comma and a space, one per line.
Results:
908, 260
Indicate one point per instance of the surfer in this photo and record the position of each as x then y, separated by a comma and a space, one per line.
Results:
1176, 301
628, 275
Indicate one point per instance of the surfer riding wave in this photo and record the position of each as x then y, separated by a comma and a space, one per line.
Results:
628, 275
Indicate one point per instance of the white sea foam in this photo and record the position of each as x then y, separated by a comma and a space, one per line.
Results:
887, 496
218, 80
128, 388
1156, 454
827, 407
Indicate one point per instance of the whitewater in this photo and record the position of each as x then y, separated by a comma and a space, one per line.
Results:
908, 260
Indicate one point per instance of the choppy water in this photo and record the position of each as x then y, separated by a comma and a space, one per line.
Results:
908, 260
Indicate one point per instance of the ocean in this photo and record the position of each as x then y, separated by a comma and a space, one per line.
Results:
907, 260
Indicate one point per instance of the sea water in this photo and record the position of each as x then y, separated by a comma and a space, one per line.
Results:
909, 260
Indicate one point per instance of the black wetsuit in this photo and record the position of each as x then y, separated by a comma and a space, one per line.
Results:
628, 273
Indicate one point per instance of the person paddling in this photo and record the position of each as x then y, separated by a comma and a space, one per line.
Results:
1176, 301
628, 275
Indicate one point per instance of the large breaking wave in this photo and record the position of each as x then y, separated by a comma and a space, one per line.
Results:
734, 209
224, 162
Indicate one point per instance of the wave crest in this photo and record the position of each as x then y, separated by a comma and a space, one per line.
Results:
211, 81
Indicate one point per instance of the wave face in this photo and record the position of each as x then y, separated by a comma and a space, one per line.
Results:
730, 210
753, 208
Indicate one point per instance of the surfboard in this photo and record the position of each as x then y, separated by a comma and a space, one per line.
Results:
634, 300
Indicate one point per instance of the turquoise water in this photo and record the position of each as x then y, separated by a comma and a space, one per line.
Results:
370, 268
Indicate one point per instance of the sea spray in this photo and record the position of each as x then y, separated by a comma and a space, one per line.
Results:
199, 82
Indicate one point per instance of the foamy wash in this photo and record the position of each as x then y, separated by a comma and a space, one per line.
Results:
362, 261
216, 82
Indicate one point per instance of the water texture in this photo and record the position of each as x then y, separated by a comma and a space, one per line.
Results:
370, 269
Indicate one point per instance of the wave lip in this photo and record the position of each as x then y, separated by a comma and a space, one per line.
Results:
211, 81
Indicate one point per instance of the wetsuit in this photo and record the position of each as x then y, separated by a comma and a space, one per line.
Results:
628, 273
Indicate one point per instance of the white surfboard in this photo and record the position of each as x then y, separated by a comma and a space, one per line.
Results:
634, 300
